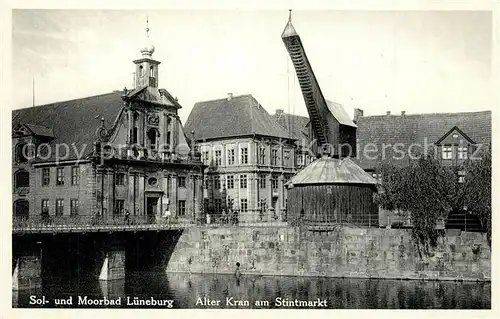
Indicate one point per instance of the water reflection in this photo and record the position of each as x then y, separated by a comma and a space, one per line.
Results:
185, 289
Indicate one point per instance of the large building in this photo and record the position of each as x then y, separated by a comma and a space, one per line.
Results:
450, 137
110, 155
249, 158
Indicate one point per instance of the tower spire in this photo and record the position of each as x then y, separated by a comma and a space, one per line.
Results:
289, 29
148, 49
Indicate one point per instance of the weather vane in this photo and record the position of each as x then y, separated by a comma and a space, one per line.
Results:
147, 26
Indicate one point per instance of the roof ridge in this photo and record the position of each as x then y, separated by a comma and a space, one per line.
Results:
225, 98
67, 101
426, 114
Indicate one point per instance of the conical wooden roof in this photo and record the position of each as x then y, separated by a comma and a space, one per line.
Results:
329, 170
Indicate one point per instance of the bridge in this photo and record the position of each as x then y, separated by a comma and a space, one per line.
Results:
104, 247
86, 224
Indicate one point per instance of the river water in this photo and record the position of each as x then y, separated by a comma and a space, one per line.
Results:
190, 291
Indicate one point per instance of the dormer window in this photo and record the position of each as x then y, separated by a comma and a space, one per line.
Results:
462, 152
447, 152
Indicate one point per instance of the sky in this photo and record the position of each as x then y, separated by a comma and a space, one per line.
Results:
378, 61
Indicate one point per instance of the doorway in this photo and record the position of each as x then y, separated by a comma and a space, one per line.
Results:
151, 208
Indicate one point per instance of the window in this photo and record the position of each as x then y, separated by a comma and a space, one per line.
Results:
217, 182
134, 135
218, 204
141, 70
286, 158
60, 176
377, 177
262, 181
218, 158
120, 179
75, 175
152, 138
230, 203
119, 207
74, 205
274, 182
244, 205
461, 176
205, 158
462, 152
243, 181
182, 208
244, 155
262, 156
230, 182
21, 151
446, 152
182, 181
59, 207
300, 159
45, 206
22, 179
274, 157
45, 176
206, 181
230, 157
151, 72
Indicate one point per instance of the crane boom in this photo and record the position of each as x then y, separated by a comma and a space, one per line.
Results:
326, 128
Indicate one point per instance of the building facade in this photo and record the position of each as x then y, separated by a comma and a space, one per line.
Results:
249, 158
107, 156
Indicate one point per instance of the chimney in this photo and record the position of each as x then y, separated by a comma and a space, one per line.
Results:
403, 113
229, 96
357, 114
388, 112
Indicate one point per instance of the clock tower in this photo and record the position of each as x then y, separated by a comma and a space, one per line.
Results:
146, 69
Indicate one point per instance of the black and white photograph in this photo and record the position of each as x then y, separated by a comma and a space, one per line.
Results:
284, 159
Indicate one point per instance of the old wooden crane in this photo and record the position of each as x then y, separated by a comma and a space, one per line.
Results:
333, 189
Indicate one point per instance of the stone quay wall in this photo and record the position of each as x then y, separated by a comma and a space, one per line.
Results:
345, 252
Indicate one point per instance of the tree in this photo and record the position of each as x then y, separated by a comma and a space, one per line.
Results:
424, 188
477, 186
429, 190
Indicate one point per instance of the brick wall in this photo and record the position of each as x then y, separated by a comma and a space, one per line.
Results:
348, 252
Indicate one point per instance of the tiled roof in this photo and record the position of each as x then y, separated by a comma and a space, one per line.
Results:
295, 125
73, 122
241, 115
419, 129
331, 170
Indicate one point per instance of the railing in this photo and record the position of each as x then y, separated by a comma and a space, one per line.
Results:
241, 219
93, 223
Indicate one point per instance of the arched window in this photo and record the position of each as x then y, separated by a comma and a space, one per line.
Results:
141, 71
152, 71
21, 179
21, 152
21, 208
152, 138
